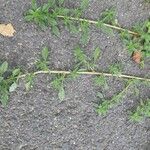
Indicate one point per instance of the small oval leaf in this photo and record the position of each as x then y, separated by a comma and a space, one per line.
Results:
3, 67
13, 87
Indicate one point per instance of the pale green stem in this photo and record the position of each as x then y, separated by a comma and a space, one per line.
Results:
96, 22
87, 73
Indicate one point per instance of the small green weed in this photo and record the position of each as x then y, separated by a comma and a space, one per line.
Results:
8, 82
58, 84
142, 111
42, 63
101, 81
104, 107
140, 42
50, 13
47, 16
85, 61
115, 69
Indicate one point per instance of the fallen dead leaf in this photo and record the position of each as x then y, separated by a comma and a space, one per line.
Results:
7, 30
137, 55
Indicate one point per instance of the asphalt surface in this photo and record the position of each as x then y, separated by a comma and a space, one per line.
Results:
38, 120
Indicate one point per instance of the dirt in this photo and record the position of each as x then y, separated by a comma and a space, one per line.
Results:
38, 120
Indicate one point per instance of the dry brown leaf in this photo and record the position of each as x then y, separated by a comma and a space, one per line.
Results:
137, 55
7, 30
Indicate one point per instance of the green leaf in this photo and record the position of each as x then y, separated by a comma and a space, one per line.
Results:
80, 56
115, 69
96, 54
4, 98
29, 81
16, 72
61, 93
29, 17
3, 67
34, 4
103, 108
13, 87
100, 81
52, 21
45, 53
55, 30
42, 65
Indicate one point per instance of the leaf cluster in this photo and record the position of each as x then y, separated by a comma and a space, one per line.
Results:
58, 84
47, 15
106, 105
8, 82
42, 63
83, 60
142, 111
107, 17
140, 42
115, 69
101, 81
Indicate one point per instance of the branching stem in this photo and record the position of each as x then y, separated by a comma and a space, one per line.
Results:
96, 22
87, 73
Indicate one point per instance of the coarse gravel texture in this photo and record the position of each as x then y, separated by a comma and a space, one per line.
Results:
38, 120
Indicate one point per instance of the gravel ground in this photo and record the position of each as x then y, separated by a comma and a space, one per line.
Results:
38, 120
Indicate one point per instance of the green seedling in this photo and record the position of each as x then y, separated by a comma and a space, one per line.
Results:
86, 62
58, 84
43, 15
42, 63
8, 82
115, 69
29, 81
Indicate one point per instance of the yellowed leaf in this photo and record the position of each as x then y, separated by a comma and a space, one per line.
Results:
7, 30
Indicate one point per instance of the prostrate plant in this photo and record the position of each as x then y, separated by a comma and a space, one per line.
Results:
49, 13
85, 66
105, 105
54, 11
